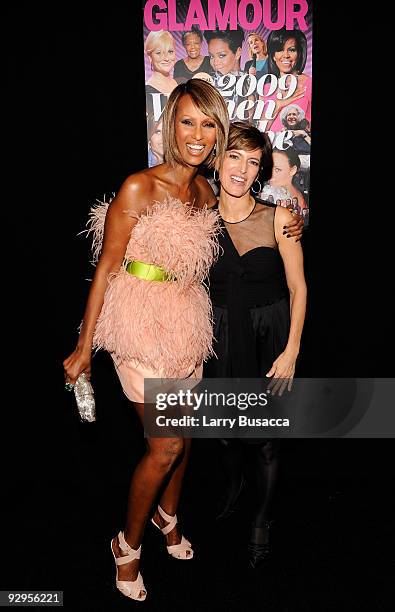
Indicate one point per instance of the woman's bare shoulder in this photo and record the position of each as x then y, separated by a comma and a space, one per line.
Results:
135, 193
283, 215
139, 182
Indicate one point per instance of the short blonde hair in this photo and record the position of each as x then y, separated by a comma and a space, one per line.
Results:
161, 38
210, 102
260, 38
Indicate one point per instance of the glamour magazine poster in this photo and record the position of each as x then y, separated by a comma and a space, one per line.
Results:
258, 55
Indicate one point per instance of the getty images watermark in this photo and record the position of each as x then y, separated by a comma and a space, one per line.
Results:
246, 408
196, 400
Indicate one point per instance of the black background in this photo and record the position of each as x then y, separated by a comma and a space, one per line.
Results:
76, 126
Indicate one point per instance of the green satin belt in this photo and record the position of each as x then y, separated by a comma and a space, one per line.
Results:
147, 271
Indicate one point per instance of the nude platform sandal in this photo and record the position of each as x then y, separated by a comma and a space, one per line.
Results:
178, 551
130, 588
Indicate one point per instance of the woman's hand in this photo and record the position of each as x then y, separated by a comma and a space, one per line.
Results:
297, 95
283, 368
302, 133
294, 228
79, 361
282, 371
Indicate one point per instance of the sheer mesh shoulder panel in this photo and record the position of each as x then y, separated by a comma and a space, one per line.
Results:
255, 231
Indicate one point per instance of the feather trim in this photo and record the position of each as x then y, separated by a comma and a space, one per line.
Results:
156, 324
164, 326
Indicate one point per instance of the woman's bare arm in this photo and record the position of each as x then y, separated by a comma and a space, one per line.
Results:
292, 256
118, 227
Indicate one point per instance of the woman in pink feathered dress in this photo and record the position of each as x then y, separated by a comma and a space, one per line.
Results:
157, 328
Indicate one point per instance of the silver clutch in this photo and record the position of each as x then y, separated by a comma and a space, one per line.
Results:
85, 399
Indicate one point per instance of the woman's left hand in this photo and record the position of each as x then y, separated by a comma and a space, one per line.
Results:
282, 371
298, 93
294, 228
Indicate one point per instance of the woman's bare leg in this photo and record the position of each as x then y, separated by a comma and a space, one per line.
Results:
171, 495
147, 481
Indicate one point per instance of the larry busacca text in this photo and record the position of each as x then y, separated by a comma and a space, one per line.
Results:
229, 423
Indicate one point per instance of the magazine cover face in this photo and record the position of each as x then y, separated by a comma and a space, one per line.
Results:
259, 56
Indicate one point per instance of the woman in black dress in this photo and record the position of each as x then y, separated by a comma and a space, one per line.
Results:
194, 63
258, 293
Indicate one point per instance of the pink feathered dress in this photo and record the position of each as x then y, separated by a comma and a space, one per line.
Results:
159, 329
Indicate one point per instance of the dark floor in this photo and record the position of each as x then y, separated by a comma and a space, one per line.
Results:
332, 541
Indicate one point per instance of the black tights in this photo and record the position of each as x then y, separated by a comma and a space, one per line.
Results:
261, 470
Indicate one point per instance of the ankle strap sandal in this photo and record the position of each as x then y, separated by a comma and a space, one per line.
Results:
183, 550
134, 589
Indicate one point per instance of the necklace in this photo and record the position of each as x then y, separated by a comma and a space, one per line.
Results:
240, 220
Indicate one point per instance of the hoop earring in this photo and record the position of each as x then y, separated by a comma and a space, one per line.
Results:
215, 179
260, 187
214, 151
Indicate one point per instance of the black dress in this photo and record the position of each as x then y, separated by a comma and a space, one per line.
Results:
149, 104
149, 90
251, 325
182, 72
250, 298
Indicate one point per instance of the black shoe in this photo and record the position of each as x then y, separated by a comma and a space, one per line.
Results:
259, 546
227, 504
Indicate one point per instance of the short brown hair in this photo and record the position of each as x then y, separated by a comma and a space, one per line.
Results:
207, 99
245, 137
